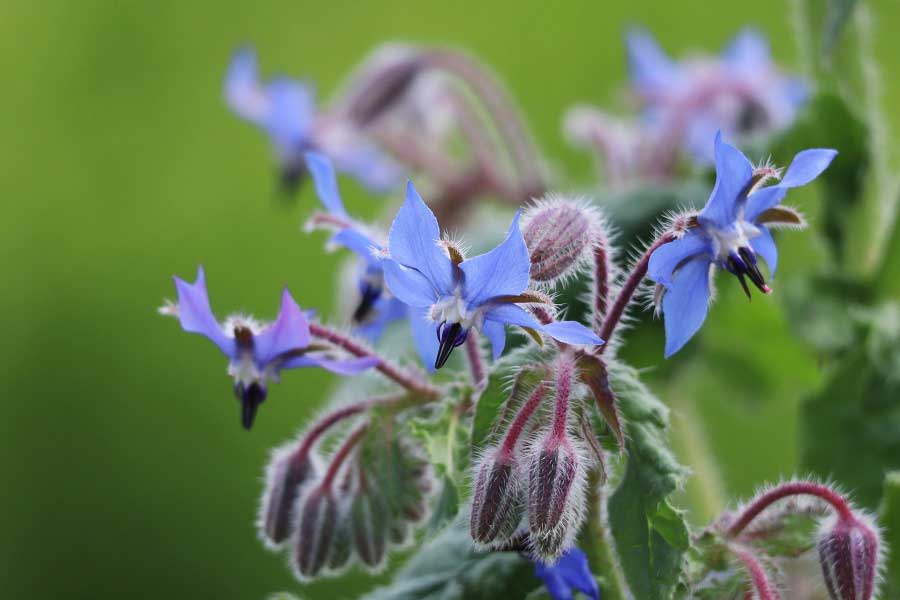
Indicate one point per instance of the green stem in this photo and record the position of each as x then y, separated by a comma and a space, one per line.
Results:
599, 545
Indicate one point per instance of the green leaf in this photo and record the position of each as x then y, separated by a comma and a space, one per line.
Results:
651, 536
448, 568
890, 520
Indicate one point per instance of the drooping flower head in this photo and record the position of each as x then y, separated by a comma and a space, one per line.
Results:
286, 110
730, 233
571, 573
456, 294
257, 352
741, 92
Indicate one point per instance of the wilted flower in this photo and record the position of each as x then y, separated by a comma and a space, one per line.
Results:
286, 110
257, 352
730, 232
742, 92
571, 573
458, 294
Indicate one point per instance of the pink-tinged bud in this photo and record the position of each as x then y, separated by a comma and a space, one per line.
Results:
559, 234
497, 499
368, 515
848, 553
289, 471
315, 532
555, 496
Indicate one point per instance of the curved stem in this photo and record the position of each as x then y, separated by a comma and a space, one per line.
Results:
765, 589
476, 362
518, 424
627, 292
341, 455
406, 379
795, 488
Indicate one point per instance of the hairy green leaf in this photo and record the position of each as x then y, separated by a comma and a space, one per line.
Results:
890, 521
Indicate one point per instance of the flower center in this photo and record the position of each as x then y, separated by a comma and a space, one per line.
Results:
735, 254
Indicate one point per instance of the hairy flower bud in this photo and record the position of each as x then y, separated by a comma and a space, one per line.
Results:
290, 469
848, 552
342, 543
559, 233
369, 518
555, 496
381, 83
315, 532
496, 501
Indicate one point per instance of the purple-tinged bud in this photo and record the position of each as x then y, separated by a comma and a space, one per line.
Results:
315, 532
342, 542
368, 515
559, 234
849, 555
287, 474
497, 498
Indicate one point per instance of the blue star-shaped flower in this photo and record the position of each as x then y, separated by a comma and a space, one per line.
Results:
256, 352
286, 110
730, 232
740, 92
570, 573
456, 294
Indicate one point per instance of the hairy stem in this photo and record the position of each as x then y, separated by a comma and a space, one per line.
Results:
408, 380
518, 424
341, 455
476, 362
795, 488
759, 579
564, 371
598, 543
601, 282
627, 292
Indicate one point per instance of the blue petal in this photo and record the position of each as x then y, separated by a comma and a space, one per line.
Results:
504, 271
359, 243
806, 166
572, 332
571, 572
368, 164
413, 242
408, 285
652, 71
511, 314
424, 332
764, 245
291, 114
685, 303
349, 366
325, 181
387, 310
667, 257
290, 331
195, 314
495, 332
733, 173
762, 200
242, 89
748, 52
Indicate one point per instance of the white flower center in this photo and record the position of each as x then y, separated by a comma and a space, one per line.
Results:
727, 241
453, 309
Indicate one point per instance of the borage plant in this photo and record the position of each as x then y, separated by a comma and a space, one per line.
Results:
548, 449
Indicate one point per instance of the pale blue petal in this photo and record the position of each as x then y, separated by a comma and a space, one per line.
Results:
495, 332
572, 332
504, 271
733, 174
408, 285
764, 246
290, 331
195, 314
512, 314
413, 242
652, 71
571, 572
348, 366
326, 184
667, 257
685, 304
699, 130
424, 332
387, 310
806, 166
243, 92
369, 165
748, 52
762, 200
291, 114
359, 243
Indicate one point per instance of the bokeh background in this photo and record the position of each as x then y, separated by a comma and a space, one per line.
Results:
125, 472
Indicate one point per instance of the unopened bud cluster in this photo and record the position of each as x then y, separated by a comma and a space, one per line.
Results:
536, 483
560, 235
332, 512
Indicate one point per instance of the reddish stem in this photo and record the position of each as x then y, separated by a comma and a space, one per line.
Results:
764, 589
518, 424
388, 369
341, 455
796, 488
329, 220
476, 363
627, 292
563, 391
323, 425
601, 282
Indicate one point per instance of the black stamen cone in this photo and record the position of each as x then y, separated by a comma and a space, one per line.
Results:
370, 295
250, 397
290, 179
449, 338
753, 271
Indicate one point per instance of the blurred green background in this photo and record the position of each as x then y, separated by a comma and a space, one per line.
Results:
125, 471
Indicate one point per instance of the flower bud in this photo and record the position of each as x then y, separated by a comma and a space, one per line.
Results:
315, 532
848, 552
342, 543
382, 83
559, 234
369, 518
496, 500
288, 472
555, 496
